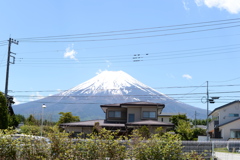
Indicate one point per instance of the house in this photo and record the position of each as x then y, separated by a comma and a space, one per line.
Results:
124, 117
225, 122
165, 117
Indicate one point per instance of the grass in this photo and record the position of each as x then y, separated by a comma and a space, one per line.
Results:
224, 150
221, 150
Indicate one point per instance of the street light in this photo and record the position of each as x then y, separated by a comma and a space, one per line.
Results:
43, 106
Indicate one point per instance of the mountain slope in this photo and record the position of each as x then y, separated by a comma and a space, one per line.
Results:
108, 87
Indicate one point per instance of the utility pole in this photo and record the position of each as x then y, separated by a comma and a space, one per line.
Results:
208, 138
195, 117
10, 41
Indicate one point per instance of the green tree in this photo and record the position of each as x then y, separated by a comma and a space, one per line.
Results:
176, 118
67, 117
31, 120
12, 122
185, 130
20, 118
4, 115
144, 131
199, 132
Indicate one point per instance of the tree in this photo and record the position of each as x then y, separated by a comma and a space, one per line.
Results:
12, 121
20, 118
31, 120
184, 130
97, 128
144, 131
67, 117
199, 132
4, 115
199, 121
176, 118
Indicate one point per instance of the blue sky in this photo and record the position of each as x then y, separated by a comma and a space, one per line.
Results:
176, 59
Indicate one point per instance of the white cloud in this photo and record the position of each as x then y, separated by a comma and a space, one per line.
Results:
59, 90
232, 6
36, 96
99, 71
108, 63
70, 53
185, 5
187, 76
16, 101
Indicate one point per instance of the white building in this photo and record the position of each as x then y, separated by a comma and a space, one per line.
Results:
225, 122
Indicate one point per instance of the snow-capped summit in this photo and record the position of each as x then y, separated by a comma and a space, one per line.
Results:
108, 87
110, 82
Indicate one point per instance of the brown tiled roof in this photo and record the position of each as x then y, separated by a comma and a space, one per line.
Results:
149, 123
111, 105
91, 123
141, 103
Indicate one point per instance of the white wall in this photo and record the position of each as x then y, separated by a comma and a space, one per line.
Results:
224, 112
225, 130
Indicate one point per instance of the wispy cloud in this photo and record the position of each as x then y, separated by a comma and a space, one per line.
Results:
99, 71
232, 6
36, 96
187, 76
108, 63
185, 5
70, 53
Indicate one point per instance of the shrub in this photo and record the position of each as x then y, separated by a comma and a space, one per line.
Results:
157, 147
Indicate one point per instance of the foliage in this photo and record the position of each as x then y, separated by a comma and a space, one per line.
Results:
20, 118
157, 147
199, 131
95, 147
104, 145
3, 112
30, 130
12, 121
96, 128
144, 132
31, 120
193, 155
199, 121
175, 119
22, 147
184, 130
159, 131
67, 117
35, 130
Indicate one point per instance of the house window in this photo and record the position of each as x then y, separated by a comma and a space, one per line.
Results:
233, 115
114, 114
148, 114
235, 134
162, 119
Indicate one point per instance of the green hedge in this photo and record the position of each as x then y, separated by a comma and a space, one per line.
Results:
102, 145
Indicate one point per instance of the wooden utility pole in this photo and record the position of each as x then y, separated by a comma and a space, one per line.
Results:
9, 98
10, 41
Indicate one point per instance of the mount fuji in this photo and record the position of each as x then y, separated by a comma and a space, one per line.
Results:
108, 87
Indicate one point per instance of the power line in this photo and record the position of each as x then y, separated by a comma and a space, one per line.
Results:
172, 87
206, 22
138, 37
156, 95
143, 32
